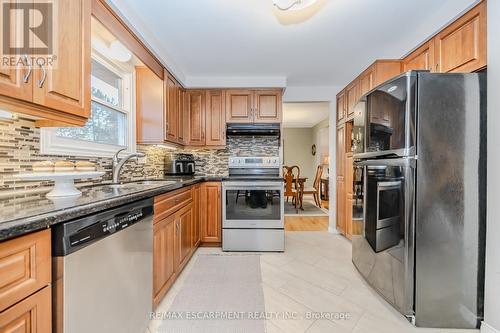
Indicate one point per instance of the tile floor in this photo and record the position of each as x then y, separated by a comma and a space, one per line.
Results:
315, 274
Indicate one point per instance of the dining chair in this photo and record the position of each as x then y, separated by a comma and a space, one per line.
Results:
291, 185
315, 190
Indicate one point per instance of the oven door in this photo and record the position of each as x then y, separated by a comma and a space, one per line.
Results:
252, 205
384, 253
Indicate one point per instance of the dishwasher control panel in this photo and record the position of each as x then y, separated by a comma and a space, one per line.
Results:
76, 234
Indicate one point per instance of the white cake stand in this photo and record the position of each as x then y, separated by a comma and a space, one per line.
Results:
64, 182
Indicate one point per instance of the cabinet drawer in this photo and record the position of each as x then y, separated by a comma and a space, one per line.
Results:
25, 267
169, 203
32, 315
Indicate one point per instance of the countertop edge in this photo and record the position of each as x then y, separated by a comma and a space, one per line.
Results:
22, 226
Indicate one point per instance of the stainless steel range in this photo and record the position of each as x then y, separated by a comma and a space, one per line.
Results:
253, 206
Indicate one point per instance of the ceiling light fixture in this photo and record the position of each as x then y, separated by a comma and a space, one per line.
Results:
292, 5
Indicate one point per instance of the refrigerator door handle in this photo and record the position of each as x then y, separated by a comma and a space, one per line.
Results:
388, 162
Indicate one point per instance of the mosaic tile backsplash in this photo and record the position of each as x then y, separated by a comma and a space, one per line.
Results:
20, 148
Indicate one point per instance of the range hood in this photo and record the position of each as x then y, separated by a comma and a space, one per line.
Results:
253, 130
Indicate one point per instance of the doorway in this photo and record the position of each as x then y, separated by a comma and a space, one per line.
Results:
305, 142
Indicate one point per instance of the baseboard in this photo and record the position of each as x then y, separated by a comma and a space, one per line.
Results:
210, 244
333, 230
485, 328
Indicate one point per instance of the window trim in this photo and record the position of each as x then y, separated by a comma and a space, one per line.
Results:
51, 144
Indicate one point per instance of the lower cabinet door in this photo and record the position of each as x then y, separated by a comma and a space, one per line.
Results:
210, 212
196, 216
163, 257
183, 237
31, 315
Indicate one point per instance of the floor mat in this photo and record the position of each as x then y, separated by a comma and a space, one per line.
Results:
222, 294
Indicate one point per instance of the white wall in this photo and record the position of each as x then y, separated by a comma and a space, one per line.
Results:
321, 138
297, 143
492, 291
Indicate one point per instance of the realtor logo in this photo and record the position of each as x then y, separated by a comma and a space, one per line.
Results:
27, 31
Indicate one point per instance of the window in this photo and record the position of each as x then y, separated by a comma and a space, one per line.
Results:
112, 121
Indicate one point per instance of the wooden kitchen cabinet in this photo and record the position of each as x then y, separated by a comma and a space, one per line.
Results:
420, 59
352, 96
58, 93
164, 233
31, 315
267, 106
215, 118
384, 70
184, 236
348, 183
196, 215
25, 267
25, 274
341, 111
183, 117
340, 153
196, 117
366, 81
171, 108
66, 85
175, 236
461, 46
253, 106
150, 117
210, 212
12, 80
341, 206
239, 106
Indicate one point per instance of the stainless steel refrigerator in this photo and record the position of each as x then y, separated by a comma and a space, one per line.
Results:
422, 145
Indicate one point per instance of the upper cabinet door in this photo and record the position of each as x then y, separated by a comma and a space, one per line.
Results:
172, 108
352, 96
150, 123
182, 136
196, 110
215, 118
421, 58
15, 82
65, 85
239, 106
341, 106
366, 82
461, 47
267, 106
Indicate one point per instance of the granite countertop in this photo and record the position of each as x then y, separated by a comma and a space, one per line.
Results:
23, 214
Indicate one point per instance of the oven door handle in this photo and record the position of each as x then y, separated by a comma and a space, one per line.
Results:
252, 188
389, 185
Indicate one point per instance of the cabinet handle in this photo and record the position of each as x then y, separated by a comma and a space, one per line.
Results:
44, 76
26, 76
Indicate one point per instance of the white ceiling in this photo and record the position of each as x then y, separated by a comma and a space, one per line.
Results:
304, 115
233, 42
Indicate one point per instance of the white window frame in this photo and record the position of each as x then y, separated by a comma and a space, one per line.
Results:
51, 144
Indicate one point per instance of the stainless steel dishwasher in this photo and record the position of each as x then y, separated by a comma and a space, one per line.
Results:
102, 271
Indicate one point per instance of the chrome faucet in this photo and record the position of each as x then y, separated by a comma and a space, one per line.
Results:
118, 163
